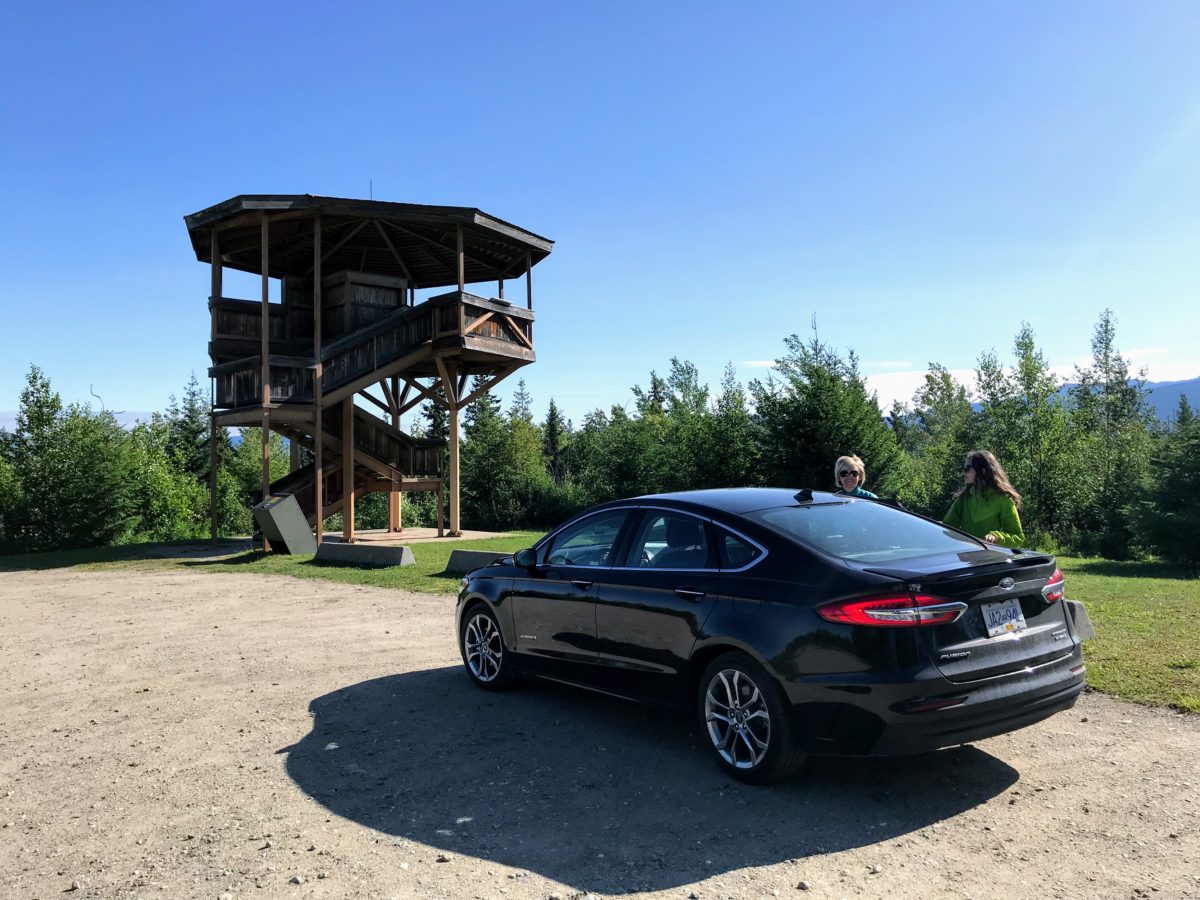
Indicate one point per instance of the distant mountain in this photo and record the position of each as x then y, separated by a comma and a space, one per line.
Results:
1163, 396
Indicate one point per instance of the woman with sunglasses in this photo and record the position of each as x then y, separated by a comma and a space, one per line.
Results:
851, 475
987, 503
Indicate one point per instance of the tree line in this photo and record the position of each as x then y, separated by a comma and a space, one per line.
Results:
1099, 473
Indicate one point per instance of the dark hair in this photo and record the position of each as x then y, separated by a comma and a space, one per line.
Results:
988, 473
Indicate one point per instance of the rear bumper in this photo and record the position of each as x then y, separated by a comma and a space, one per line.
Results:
862, 718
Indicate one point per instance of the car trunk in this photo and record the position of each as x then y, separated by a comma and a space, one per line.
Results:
993, 585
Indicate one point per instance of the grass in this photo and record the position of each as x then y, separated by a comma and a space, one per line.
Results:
1147, 619
1147, 615
428, 575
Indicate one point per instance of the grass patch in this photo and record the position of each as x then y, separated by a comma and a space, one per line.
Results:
1147, 619
428, 575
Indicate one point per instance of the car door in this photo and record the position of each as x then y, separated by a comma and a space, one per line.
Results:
652, 609
553, 603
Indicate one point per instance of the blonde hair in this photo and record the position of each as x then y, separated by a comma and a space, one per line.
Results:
850, 463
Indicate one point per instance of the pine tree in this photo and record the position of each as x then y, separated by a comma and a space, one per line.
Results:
554, 444
819, 411
1111, 422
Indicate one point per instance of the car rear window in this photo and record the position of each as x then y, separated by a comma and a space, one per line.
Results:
863, 531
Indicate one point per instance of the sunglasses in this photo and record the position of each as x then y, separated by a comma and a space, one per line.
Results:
847, 474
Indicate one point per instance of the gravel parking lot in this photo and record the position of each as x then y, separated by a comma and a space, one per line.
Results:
168, 733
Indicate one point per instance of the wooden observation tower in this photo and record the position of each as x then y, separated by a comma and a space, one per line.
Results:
347, 325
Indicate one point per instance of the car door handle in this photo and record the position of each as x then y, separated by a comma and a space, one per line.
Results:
689, 595
581, 584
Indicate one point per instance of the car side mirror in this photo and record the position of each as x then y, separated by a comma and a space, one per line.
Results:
527, 559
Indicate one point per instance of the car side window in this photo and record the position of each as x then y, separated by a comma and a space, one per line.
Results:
667, 540
736, 552
587, 542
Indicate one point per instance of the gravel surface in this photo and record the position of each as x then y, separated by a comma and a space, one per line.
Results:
185, 734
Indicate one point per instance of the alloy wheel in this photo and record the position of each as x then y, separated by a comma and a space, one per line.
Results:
737, 719
484, 648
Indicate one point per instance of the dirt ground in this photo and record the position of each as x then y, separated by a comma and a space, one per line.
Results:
184, 734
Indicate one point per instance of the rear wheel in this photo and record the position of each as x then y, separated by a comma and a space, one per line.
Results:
745, 720
482, 645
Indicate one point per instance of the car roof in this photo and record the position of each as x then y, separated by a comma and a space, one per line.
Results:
740, 500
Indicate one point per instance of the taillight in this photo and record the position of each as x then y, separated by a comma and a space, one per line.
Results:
893, 611
1055, 587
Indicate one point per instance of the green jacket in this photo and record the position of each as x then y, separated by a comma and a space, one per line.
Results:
858, 492
979, 511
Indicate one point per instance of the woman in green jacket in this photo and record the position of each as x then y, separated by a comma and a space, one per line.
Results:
986, 505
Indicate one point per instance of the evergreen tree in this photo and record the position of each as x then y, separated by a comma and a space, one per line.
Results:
1023, 421
936, 433
1111, 422
1167, 516
555, 439
818, 412
69, 474
188, 427
522, 404
728, 451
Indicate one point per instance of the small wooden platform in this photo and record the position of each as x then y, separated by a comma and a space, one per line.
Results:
410, 536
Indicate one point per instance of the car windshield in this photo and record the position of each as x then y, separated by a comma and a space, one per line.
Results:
863, 531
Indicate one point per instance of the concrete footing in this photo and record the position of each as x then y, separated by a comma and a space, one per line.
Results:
371, 555
463, 561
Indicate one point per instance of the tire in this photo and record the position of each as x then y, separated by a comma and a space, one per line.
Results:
481, 643
745, 720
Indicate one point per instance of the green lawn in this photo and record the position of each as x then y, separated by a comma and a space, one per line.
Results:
428, 575
1147, 615
1147, 618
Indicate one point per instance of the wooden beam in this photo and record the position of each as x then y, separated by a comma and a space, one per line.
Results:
348, 470
399, 258
212, 476
447, 384
427, 240
462, 260
266, 367
318, 399
396, 498
388, 396
478, 322
395, 367
441, 505
385, 407
445, 244
217, 273
519, 332
529, 280
338, 246
484, 388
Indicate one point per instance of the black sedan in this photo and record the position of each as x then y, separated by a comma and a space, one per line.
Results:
791, 622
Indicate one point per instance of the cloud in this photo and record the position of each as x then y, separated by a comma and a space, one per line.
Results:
890, 387
889, 364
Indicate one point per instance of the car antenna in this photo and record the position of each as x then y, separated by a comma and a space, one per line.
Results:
804, 495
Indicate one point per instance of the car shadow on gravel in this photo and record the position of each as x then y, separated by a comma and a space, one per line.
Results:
596, 793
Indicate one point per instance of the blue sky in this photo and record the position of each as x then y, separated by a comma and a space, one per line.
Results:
922, 177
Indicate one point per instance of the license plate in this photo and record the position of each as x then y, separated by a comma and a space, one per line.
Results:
1003, 617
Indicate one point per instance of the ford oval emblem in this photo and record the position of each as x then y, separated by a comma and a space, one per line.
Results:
1007, 583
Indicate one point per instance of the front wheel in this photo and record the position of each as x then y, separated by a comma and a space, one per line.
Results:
483, 652
744, 716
